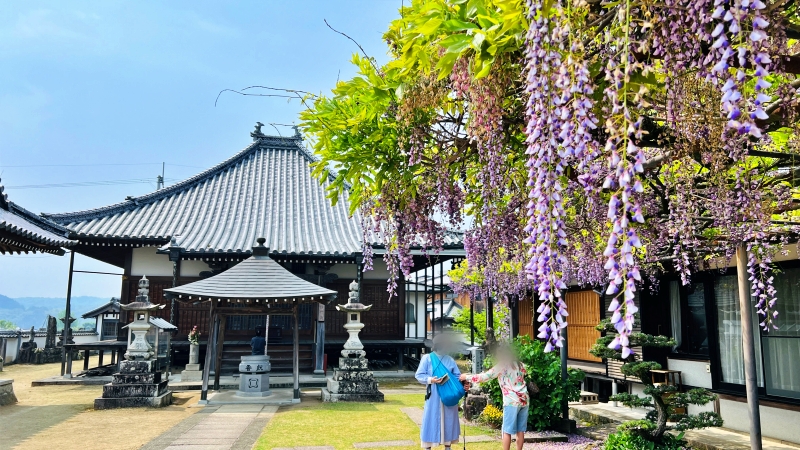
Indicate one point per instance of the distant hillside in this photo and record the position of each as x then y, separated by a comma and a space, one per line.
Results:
26, 312
8, 303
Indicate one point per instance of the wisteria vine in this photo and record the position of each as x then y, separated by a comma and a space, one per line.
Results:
583, 143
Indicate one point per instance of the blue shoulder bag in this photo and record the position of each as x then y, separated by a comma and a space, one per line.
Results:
451, 390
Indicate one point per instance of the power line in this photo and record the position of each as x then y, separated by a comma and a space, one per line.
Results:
82, 165
95, 165
87, 183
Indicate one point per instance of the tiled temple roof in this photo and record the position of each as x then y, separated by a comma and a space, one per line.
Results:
266, 190
24, 231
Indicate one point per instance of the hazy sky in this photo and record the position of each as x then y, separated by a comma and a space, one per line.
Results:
108, 90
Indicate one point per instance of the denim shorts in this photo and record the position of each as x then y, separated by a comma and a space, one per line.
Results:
515, 419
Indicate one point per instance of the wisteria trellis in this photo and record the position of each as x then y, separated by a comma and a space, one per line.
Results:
590, 143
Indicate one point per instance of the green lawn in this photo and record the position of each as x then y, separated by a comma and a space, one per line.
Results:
343, 424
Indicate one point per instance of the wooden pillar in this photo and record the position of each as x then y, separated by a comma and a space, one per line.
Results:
67, 324
125, 297
86, 360
472, 322
176, 271
433, 310
417, 313
218, 349
296, 355
212, 327
441, 295
748, 348
319, 343
68, 373
100, 358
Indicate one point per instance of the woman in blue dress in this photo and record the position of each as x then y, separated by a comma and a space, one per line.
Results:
440, 425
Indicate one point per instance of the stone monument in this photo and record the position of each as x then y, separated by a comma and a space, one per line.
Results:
254, 378
138, 382
52, 330
352, 381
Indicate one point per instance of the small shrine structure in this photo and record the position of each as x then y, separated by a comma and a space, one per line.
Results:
256, 286
352, 381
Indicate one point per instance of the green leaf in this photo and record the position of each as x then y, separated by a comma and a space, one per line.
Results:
458, 25
429, 27
456, 43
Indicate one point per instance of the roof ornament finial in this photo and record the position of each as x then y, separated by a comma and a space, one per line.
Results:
259, 251
257, 134
3, 197
297, 134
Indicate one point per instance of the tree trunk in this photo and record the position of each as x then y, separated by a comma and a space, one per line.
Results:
661, 418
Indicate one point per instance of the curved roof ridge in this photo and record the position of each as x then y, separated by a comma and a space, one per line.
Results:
40, 221
294, 142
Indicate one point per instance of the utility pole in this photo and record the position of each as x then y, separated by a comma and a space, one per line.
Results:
67, 324
160, 178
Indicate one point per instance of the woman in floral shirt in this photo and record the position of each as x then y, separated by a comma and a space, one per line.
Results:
510, 373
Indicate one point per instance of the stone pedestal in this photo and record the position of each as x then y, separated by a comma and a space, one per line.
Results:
254, 376
194, 353
352, 381
192, 371
7, 396
136, 384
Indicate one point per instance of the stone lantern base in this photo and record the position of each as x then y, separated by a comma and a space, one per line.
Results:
352, 381
136, 384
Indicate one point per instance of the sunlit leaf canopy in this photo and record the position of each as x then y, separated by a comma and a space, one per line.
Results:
590, 143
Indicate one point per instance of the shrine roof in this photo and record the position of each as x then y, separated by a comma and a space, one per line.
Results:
258, 277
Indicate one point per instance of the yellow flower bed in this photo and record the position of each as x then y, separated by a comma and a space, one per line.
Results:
492, 416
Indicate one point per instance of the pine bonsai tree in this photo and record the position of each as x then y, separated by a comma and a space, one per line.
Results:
664, 400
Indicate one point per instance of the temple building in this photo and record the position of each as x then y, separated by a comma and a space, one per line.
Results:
208, 223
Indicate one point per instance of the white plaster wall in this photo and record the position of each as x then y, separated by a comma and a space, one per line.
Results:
13, 343
147, 262
775, 423
378, 272
192, 268
346, 271
349, 271
693, 373
418, 300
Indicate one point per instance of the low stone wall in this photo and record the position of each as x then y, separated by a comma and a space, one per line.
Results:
43, 356
7, 396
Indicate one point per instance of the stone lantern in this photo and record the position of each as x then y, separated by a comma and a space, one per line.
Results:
138, 382
352, 381
138, 347
353, 348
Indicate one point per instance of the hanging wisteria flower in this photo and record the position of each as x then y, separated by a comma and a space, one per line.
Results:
560, 120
